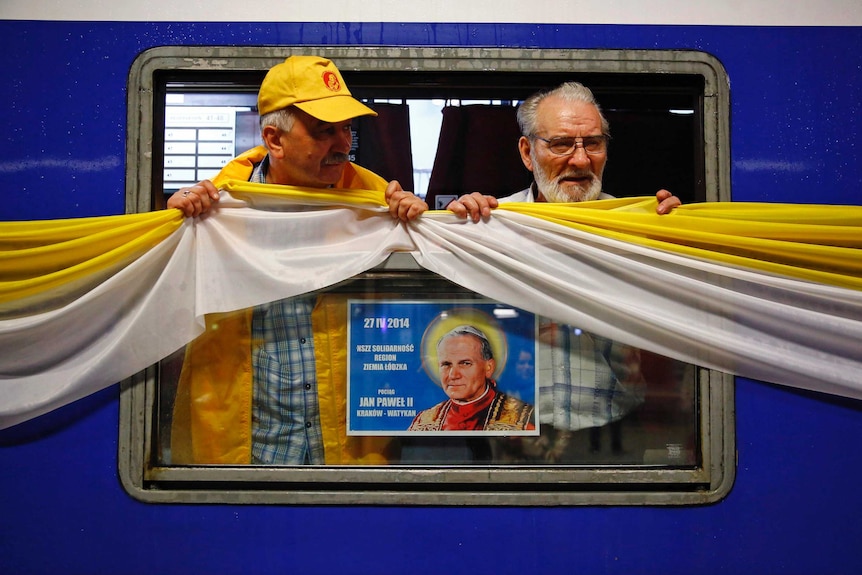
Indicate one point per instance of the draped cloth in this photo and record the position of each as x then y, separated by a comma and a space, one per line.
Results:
771, 292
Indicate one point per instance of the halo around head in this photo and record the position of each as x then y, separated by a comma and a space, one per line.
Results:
448, 320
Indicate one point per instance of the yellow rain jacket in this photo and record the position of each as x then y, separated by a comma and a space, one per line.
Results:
212, 412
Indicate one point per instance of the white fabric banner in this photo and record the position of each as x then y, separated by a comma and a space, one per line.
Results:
743, 322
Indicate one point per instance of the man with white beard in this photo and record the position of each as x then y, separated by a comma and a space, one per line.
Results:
565, 145
586, 382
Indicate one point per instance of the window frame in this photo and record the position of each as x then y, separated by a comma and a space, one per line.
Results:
427, 485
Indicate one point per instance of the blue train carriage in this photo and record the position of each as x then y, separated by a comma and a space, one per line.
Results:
110, 109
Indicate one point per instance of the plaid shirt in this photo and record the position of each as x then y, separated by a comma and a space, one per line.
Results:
285, 411
585, 380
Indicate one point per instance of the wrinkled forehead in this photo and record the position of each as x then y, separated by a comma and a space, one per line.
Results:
557, 116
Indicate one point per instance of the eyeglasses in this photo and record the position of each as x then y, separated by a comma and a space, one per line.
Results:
565, 145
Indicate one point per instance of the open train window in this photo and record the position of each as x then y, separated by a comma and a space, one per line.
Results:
669, 436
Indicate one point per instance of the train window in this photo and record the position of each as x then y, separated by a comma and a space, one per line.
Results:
568, 417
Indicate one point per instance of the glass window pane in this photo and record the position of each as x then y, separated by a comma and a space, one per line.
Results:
404, 406
591, 400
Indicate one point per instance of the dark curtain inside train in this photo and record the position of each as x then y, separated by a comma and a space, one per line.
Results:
652, 150
383, 143
477, 152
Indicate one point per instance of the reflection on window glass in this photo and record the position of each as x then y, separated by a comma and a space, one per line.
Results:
427, 374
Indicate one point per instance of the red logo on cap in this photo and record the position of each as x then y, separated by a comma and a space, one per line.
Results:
330, 80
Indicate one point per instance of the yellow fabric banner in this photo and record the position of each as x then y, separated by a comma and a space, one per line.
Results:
767, 291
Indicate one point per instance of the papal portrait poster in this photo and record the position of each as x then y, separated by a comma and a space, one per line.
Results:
440, 367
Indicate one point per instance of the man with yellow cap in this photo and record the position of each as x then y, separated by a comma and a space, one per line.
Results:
248, 392
305, 118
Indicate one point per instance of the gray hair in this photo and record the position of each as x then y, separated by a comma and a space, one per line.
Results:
569, 91
282, 119
472, 331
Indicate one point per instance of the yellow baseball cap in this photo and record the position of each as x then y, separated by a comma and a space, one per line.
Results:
312, 84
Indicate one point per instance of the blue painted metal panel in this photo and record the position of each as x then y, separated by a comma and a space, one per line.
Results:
796, 124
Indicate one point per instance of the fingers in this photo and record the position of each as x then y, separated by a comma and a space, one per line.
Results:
393, 187
666, 202
475, 206
410, 207
403, 205
393, 197
211, 190
195, 200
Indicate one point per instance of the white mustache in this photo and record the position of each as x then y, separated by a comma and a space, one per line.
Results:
577, 174
336, 158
